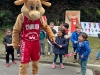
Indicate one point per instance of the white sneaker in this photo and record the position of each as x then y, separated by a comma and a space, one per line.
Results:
48, 53
79, 72
96, 58
53, 54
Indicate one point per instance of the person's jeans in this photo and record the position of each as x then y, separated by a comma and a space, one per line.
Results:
66, 51
49, 47
42, 45
18, 51
83, 64
98, 54
55, 58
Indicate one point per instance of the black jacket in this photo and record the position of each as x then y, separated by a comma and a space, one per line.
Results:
7, 40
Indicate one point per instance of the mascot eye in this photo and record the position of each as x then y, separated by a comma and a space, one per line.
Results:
31, 7
37, 7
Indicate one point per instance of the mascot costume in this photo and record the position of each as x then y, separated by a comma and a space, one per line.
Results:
26, 33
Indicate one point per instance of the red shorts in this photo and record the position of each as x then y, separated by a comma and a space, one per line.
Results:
30, 50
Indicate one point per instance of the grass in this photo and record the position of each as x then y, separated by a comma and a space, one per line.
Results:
1, 36
94, 44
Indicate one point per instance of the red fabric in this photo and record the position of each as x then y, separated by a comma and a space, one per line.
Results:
67, 31
74, 22
30, 35
30, 29
29, 50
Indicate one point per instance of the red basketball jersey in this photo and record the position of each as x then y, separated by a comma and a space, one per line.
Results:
74, 22
30, 29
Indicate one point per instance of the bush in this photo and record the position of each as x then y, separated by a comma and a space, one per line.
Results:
6, 19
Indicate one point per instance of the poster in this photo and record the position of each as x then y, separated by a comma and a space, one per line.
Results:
91, 28
72, 18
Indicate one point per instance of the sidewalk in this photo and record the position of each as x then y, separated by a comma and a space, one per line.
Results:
44, 69
89, 66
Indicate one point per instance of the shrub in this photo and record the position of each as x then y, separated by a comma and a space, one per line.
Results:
6, 19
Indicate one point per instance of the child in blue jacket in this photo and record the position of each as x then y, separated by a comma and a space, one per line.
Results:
74, 39
83, 49
59, 48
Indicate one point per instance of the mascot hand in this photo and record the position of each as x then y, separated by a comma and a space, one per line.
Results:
52, 38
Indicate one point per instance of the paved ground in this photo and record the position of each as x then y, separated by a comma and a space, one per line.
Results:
45, 69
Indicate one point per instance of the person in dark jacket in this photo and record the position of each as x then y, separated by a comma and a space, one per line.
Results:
7, 41
54, 31
74, 39
83, 49
59, 47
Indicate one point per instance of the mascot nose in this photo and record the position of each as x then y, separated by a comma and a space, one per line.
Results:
34, 14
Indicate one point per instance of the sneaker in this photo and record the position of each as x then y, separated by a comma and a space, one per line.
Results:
43, 54
18, 55
7, 64
96, 58
14, 62
53, 66
62, 66
75, 60
48, 53
79, 72
53, 54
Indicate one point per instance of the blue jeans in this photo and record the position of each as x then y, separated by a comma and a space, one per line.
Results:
83, 64
66, 51
49, 47
18, 51
42, 47
98, 55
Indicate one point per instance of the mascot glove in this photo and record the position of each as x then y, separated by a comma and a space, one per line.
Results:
52, 38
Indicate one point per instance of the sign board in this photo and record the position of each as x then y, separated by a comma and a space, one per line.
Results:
72, 18
92, 29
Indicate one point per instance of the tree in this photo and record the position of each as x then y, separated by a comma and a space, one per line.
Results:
89, 9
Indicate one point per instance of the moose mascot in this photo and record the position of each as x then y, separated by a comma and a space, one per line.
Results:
26, 33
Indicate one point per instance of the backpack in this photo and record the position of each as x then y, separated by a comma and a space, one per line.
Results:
42, 34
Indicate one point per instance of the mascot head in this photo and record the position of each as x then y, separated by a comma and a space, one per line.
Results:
32, 9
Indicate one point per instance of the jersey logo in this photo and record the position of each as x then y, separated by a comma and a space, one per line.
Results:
31, 37
32, 26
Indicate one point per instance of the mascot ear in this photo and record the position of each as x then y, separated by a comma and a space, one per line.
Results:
19, 2
45, 3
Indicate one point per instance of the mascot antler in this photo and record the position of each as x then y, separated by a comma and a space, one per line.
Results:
44, 2
20, 2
